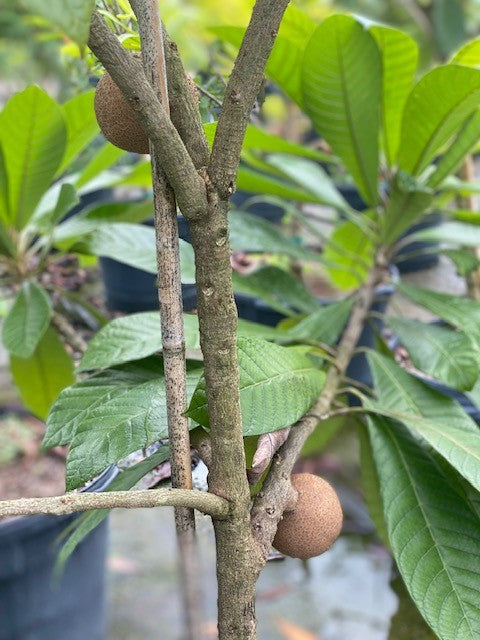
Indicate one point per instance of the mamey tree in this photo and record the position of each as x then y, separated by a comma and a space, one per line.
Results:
186, 173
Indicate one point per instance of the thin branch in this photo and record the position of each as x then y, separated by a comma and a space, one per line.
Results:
241, 92
203, 501
276, 491
209, 95
128, 74
171, 315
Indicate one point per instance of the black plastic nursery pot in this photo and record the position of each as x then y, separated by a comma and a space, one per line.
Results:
463, 400
34, 605
409, 258
266, 210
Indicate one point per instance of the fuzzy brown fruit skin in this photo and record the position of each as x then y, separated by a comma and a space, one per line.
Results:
117, 119
315, 523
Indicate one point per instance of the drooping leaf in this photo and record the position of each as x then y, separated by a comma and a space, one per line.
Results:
443, 353
464, 261
341, 83
466, 235
82, 126
399, 54
451, 160
435, 417
103, 159
435, 109
462, 313
433, 534
279, 289
408, 201
311, 177
44, 220
86, 522
325, 324
349, 255
42, 376
254, 234
277, 386
73, 18
262, 183
132, 337
33, 136
110, 415
27, 320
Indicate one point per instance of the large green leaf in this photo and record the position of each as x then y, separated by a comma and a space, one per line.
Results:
279, 289
436, 418
110, 415
256, 235
435, 109
134, 244
86, 522
433, 533
27, 320
447, 355
82, 126
311, 177
277, 386
399, 53
341, 82
408, 201
324, 325
132, 337
459, 312
33, 136
41, 377
349, 255
451, 160
86, 222
73, 17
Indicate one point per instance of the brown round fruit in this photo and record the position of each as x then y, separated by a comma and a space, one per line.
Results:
117, 119
315, 523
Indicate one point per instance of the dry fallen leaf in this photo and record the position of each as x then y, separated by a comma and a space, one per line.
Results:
290, 631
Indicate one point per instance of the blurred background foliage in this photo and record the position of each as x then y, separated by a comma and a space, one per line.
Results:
31, 49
